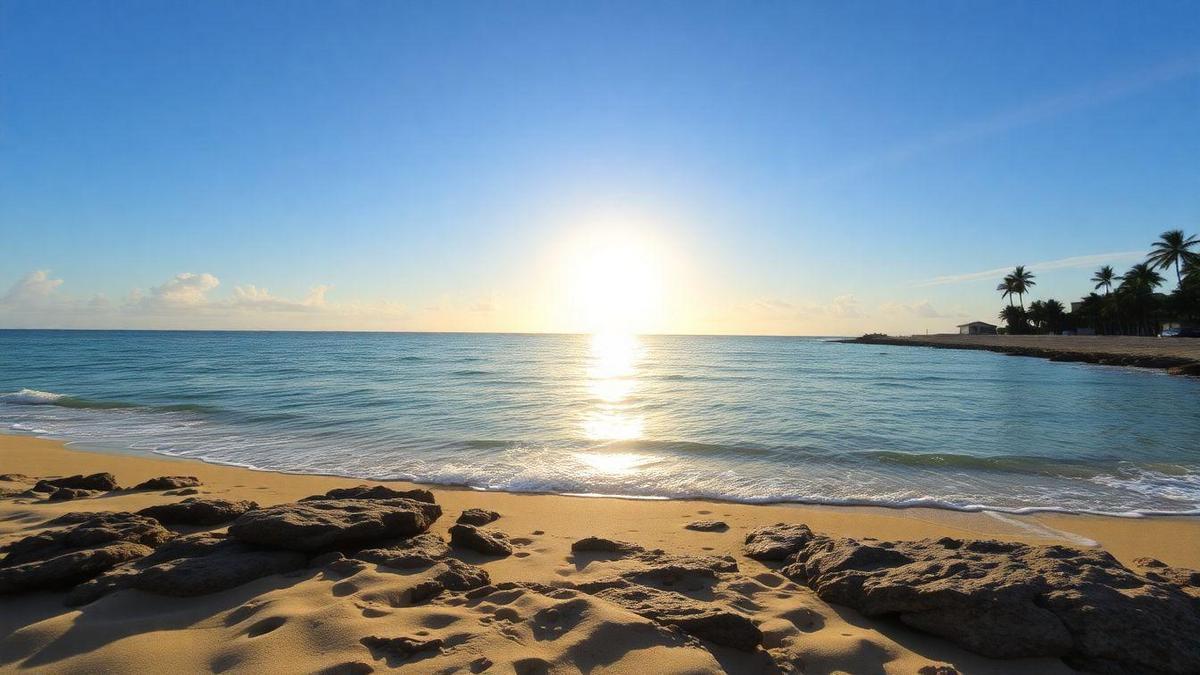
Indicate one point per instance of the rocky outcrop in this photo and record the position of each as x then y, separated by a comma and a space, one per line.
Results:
373, 492
70, 494
477, 517
776, 542
457, 575
704, 620
416, 552
707, 526
1005, 600
320, 525
196, 511
168, 483
487, 542
602, 545
197, 564
102, 482
60, 558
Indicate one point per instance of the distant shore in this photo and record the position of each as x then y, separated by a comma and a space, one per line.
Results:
1178, 356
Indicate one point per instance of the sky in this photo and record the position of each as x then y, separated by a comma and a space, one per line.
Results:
791, 168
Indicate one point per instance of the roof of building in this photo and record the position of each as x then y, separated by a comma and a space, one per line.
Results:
977, 323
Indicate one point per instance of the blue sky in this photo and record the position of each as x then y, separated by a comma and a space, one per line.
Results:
795, 167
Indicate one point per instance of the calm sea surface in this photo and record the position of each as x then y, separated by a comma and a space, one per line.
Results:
742, 418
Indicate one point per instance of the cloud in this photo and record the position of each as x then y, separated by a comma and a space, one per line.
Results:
1062, 263
251, 297
185, 290
923, 309
842, 306
35, 288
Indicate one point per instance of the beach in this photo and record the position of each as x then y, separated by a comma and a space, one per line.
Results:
532, 616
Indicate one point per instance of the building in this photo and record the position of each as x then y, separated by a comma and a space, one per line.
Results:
977, 328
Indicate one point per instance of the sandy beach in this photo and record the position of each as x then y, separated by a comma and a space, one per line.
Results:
1179, 356
540, 610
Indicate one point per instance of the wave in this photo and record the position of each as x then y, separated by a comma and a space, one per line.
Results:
1023, 464
36, 397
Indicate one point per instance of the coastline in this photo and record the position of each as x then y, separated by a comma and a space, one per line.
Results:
1178, 356
45, 636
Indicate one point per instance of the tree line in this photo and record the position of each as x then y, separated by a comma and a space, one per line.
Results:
1131, 303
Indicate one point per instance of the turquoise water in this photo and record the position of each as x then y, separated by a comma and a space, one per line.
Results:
742, 418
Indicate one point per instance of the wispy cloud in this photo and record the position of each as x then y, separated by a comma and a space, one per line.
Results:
922, 309
1029, 113
997, 273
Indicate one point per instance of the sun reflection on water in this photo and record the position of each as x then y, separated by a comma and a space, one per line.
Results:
611, 378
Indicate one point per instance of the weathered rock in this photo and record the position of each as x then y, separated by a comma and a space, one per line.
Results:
168, 483
197, 564
704, 620
601, 545
70, 494
457, 575
937, 670
373, 492
97, 481
1004, 599
197, 511
401, 647
68, 568
707, 526
328, 524
425, 590
477, 517
487, 542
86, 531
185, 492
15, 478
776, 542
422, 550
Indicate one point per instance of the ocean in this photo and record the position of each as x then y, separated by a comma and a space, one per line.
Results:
748, 419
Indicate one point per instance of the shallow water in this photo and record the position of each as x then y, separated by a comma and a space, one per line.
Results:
740, 418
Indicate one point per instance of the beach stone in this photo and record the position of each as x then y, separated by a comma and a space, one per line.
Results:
487, 542
477, 517
423, 550
457, 575
191, 565
374, 492
15, 478
182, 493
776, 542
168, 483
334, 523
70, 494
401, 647
88, 530
195, 511
1008, 600
704, 620
707, 526
601, 545
103, 482
68, 568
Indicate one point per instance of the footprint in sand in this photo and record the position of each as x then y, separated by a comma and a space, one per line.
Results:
265, 626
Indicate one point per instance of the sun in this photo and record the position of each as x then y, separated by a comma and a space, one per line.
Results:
615, 283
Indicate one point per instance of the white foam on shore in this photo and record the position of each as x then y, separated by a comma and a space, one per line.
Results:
31, 397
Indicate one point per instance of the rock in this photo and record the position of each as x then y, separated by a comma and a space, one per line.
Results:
328, 524
68, 568
346, 567
481, 664
1008, 600
373, 492
457, 575
195, 511
182, 493
70, 494
103, 482
192, 565
600, 545
15, 478
401, 647
422, 550
707, 526
704, 620
425, 590
326, 559
487, 542
776, 542
168, 483
937, 670
477, 517
88, 531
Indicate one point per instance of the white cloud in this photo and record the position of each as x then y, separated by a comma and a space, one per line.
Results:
1062, 263
185, 290
35, 288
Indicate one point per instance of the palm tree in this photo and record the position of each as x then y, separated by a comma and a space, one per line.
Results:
1022, 281
1006, 290
1141, 278
1104, 278
1173, 248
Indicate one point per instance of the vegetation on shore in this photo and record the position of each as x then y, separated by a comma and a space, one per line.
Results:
1131, 303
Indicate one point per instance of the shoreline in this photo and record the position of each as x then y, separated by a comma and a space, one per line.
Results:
1177, 356
921, 503
323, 616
